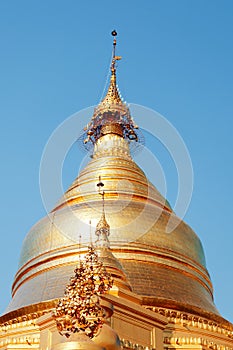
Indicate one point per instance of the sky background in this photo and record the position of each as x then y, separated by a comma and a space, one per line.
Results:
177, 60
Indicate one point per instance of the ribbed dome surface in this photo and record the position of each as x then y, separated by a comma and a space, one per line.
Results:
161, 267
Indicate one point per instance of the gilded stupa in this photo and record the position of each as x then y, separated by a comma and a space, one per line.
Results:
162, 295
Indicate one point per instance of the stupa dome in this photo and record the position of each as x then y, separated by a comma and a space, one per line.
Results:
162, 267
165, 269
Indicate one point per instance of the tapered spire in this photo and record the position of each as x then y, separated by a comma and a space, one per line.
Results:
112, 100
102, 228
112, 115
102, 245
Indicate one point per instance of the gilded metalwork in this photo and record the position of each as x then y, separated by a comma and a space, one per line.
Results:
127, 344
112, 115
102, 228
219, 325
80, 310
173, 266
166, 272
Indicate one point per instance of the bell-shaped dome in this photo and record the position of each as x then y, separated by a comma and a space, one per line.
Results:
159, 266
165, 269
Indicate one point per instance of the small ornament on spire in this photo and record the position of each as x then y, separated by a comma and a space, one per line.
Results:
114, 57
100, 184
114, 33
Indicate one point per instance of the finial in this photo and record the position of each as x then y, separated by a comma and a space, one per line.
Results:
114, 34
112, 115
102, 228
114, 57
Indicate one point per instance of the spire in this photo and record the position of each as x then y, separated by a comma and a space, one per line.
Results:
102, 228
112, 115
113, 98
102, 243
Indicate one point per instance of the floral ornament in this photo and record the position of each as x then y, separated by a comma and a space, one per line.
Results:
80, 309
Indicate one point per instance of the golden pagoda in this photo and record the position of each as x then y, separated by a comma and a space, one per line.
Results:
161, 296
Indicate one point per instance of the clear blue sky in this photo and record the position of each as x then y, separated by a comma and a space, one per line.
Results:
177, 60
